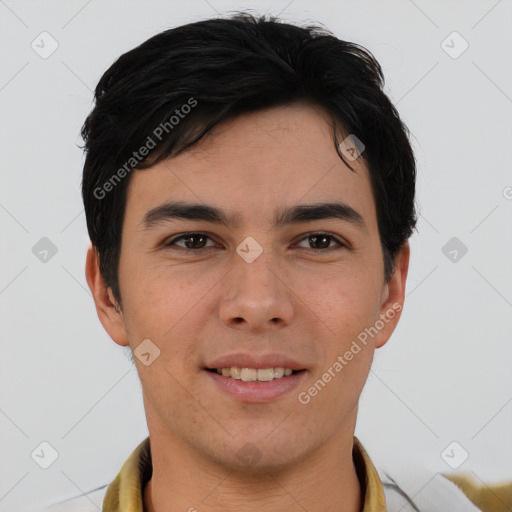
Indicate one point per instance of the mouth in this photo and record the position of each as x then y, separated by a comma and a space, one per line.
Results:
255, 385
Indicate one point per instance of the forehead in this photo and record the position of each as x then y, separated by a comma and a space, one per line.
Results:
257, 162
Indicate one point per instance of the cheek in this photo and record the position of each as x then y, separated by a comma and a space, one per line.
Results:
346, 302
167, 308
158, 298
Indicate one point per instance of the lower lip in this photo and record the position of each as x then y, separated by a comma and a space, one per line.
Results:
257, 392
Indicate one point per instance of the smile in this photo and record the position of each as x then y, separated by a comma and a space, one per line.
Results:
251, 385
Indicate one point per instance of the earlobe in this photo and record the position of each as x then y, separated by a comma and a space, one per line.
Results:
393, 296
107, 309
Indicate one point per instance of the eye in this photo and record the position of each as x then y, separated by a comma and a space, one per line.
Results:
322, 241
193, 241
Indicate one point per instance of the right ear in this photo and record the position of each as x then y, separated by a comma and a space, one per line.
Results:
107, 308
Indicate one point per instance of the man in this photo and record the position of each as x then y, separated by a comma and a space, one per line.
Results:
249, 194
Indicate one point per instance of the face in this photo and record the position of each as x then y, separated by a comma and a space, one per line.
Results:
256, 281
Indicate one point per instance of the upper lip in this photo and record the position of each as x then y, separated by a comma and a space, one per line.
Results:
258, 361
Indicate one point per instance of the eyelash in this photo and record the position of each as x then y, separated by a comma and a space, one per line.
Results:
184, 236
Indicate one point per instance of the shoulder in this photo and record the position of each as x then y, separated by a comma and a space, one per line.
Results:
495, 497
418, 489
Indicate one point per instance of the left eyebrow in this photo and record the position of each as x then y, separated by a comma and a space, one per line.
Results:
284, 216
319, 211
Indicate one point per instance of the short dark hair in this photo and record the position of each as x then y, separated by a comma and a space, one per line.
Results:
205, 72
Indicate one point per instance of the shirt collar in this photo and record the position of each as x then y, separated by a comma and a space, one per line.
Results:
126, 491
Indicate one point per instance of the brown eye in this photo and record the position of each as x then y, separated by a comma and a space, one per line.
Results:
322, 241
192, 241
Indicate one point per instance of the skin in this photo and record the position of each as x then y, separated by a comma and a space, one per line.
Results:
195, 307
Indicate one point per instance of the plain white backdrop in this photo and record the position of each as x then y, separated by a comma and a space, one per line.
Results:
444, 376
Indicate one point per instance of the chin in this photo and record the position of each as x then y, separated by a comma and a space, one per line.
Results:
261, 454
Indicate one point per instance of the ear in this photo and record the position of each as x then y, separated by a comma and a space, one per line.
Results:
107, 308
393, 295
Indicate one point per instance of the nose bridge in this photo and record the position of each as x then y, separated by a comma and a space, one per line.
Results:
255, 294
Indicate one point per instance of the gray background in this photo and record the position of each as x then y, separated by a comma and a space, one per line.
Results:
446, 373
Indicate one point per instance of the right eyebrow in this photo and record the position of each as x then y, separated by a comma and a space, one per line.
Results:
186, 211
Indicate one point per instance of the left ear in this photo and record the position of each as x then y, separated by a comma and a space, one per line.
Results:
393, 295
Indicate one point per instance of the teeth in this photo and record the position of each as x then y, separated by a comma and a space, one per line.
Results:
266, 374
248, 374
255, 375
278, 372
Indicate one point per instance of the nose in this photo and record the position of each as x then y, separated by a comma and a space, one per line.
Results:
256, 296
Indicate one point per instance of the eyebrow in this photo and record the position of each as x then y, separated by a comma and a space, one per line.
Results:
283, 216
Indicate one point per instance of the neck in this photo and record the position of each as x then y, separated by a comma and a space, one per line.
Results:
322, 482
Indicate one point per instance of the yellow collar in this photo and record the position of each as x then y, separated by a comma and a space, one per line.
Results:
125, 493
